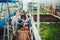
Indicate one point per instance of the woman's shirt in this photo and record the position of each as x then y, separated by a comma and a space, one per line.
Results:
15, 19
27, 20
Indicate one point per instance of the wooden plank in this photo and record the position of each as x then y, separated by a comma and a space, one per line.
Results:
55, 16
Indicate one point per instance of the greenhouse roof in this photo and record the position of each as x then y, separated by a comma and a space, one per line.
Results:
50, 1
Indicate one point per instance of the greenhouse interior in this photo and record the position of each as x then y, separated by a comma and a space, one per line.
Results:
29, 19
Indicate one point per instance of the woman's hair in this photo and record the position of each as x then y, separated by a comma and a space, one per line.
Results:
27, 11
27, 15
17, 11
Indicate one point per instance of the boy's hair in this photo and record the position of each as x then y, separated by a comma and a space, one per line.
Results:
26, 25
23, 11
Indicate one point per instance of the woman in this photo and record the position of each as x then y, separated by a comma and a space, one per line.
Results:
28, 21
14, 22
15, 18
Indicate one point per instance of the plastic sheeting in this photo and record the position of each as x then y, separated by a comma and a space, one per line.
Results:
11, 0
3, 0
3, 21
7, 1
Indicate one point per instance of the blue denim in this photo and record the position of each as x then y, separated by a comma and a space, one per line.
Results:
28, 22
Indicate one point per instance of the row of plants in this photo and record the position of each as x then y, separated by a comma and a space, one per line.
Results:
50, 31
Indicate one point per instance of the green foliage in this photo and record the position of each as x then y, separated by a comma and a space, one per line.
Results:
15, 6
50, 31
43, 11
